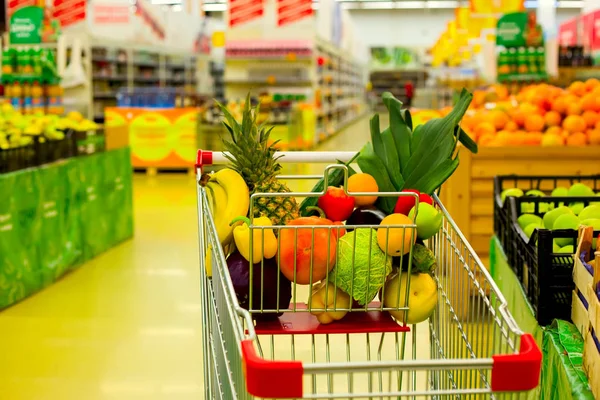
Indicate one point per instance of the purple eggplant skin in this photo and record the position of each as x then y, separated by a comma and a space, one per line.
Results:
365, 216
239, 271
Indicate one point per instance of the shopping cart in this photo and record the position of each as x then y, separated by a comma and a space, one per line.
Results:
473, 348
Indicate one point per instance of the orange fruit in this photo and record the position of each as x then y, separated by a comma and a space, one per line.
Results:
591, 118
552, 140
597, 126
487, 139
518, 116
594, 137
560, 105
574, 123
577, 88
511, 126
499, 119
554, 130
591, 84
577, 139
534, 123
533, 138
552, 118
588, 102
484, 128
574, 108
363, 183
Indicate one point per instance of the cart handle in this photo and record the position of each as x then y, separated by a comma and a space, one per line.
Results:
206, 157
284, 379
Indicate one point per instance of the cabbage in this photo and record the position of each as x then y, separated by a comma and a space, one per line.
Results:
361, 266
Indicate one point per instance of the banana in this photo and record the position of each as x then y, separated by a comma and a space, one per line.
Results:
229, 197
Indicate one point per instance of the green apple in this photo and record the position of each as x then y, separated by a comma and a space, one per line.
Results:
532, 227
568, 249
560, 192
429, 220
528, 219
555, 247
580, 190
565, 221
590, 212
576, 207
514, 192
422, 298
551, 216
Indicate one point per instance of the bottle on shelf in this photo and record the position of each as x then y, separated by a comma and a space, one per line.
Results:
16, 99
27, 110
52, 98
37, 98
8, 61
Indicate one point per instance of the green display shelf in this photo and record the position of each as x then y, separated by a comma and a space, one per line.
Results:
55, 217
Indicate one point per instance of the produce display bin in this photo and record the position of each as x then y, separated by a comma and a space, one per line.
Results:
15, 159
60, 215
546, 276
469, 193
244, 359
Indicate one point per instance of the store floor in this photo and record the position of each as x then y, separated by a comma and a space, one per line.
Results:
127, 325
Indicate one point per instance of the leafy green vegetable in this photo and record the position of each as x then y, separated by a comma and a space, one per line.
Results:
362, 267
466, 140
400, 130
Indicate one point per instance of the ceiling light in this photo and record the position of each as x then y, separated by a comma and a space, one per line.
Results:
214, 7
441, 4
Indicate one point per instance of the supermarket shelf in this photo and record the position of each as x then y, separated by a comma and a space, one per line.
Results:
116, 78
105, 95
276, 82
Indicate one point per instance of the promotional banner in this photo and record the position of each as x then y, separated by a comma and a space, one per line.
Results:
25, 26
591, 30
243, 11
289, 11
521, 43
567, 32
111, 19
68, 12
383, 58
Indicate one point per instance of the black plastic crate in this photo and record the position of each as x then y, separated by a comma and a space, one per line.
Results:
88, 142
530, 182
546, 277
49, 151
15, 159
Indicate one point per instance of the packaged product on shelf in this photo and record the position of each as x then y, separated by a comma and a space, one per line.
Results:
532, 60
16, 99
8, 61
522, 61
37, 102
541, 59
27, 97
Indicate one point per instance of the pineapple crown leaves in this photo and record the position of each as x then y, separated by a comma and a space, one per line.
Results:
249, 149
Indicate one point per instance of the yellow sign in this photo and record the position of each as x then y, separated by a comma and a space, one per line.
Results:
218, 39
496, 6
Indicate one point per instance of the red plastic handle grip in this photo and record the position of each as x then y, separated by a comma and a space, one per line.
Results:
204, 157
271, 379
518, 372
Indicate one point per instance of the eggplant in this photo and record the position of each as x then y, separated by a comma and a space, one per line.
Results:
239, 271
405, 258
365, 216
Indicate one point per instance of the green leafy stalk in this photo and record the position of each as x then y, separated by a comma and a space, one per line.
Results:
399, 129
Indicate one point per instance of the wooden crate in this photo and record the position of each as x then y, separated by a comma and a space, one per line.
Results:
587, 319
469, 194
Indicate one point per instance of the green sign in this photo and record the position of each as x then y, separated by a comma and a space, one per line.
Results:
26, 25
519, 29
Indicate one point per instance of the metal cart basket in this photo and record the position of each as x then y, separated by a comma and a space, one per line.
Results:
470, 348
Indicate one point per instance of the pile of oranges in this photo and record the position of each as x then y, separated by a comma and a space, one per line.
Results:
539, 114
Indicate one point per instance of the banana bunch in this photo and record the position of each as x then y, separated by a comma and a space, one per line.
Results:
228, 197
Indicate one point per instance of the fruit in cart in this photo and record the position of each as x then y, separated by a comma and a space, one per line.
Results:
580, 190
422, 299
336, 204
396, 241
325, 295
335, 178
423, 259
551, 216
228, 198
428, 219
270, 289
361, 266
528, 219
320, 219
254, 158
264, 242
565, 221
368, 215
365, 183
306, 255
407, 202
530, 207
577, 207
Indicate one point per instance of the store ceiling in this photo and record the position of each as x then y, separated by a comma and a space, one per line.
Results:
221, 5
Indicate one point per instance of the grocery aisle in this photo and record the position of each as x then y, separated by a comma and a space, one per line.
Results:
127, 325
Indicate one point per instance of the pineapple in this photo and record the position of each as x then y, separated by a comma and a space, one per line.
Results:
252, 157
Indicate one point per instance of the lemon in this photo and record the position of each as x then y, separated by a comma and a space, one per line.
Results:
397, 241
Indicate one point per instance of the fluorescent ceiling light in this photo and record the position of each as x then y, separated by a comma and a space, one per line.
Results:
441, 4
214, 7
166, 2
379, 5
570, 4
